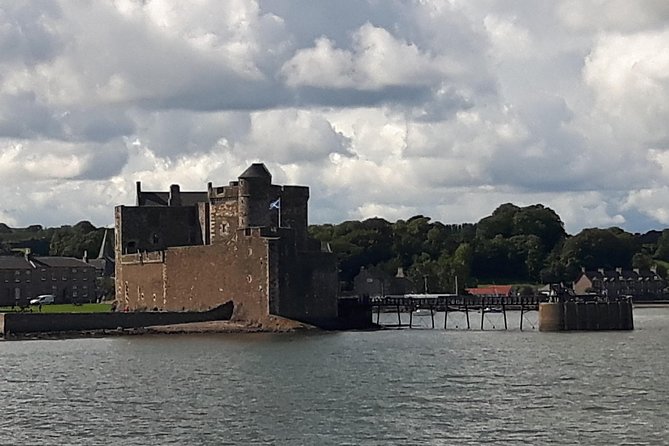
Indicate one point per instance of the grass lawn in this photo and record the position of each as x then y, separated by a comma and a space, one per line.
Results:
64, 308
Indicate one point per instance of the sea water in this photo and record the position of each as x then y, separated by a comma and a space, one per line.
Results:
407, 387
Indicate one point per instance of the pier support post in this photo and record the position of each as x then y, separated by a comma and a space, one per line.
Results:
550, 317
504, 311
467, 314
482, 312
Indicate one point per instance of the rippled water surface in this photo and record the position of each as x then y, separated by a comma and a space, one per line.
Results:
354, 388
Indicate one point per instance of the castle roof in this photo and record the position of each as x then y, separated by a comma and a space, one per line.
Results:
256, 170
161, 198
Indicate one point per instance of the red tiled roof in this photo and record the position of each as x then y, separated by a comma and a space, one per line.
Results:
491, 290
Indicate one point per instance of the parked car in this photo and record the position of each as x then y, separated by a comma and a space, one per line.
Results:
43, 299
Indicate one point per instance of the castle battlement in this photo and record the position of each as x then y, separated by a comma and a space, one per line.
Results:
245, 242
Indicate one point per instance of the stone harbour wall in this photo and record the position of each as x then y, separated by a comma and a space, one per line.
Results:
66, 322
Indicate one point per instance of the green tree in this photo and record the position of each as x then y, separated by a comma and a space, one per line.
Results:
462, 263
541, 222
642, 261
554, 270
598, 248
662, 251
73, 241
500, 223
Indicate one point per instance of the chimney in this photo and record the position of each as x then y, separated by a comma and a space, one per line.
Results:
619, 270
138, 191
85, 259
600, 270
175, 196
400, 272
583, 269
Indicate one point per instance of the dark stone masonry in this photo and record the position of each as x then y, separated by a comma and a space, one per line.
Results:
246, 242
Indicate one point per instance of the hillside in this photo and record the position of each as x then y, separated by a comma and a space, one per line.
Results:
62, 241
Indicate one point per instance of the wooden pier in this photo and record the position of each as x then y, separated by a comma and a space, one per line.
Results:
452, 303
567, 312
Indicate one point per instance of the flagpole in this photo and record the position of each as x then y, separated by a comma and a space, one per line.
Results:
277, 205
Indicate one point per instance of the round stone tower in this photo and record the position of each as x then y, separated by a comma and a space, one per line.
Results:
254, 186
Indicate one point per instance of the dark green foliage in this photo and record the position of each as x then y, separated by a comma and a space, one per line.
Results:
514, 244
500, 223
509, 220
642, 261
662, 250
105, 287
64, 241
598, 248
429, 252
34, 238
73, 241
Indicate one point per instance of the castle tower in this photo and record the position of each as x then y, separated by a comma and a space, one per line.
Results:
254, 186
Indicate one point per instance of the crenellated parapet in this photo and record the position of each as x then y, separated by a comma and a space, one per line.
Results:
246, 241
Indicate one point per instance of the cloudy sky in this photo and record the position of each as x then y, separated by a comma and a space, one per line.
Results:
384, 108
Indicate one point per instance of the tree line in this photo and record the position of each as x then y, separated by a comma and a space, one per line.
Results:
512, 245
68, 241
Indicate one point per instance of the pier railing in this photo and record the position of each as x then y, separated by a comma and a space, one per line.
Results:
453, 303
440, 302
430, 304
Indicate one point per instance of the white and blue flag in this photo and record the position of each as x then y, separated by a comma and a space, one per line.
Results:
276, 204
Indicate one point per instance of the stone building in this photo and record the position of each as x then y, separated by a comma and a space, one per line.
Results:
246, 242
25, 277
639, 284
374, 282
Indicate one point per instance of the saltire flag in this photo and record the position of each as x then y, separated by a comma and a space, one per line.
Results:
276, 204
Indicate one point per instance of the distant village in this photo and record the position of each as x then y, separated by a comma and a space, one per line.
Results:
250, 242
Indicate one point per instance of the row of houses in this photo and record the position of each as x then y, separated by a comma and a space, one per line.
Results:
68, 279
639, 284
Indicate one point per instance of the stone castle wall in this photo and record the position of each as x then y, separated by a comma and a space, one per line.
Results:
152, 228
199, 278
230, 247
